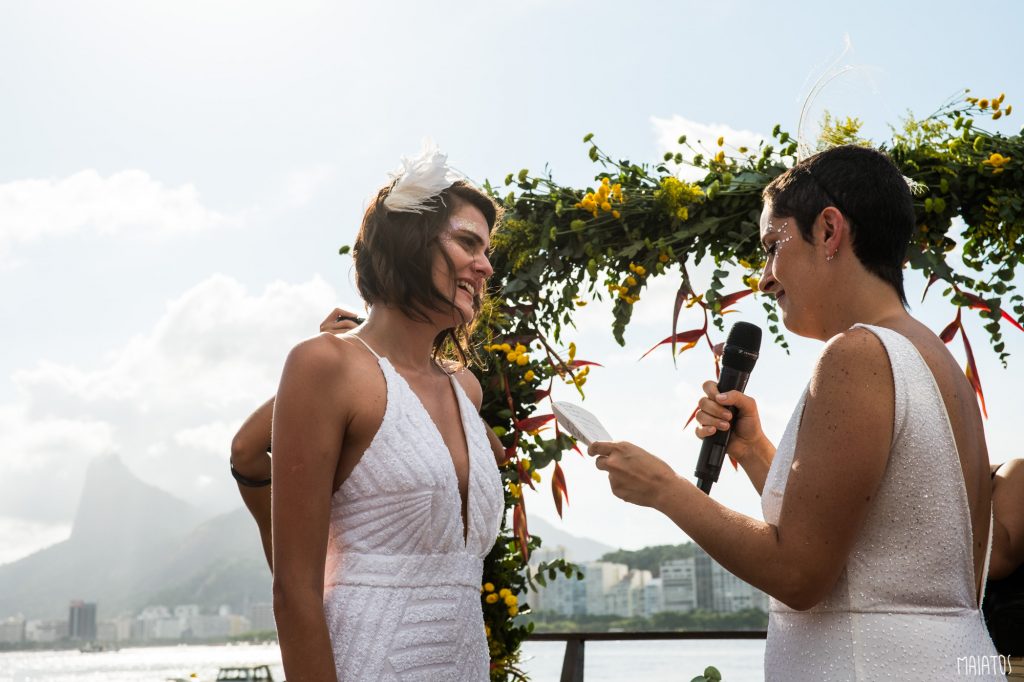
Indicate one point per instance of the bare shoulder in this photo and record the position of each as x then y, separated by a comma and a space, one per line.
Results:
470, 384
329, 360
856, 355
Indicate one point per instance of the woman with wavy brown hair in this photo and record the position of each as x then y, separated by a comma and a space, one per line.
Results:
386, 494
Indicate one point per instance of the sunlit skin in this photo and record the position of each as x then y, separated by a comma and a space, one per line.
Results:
845, 433
330, 404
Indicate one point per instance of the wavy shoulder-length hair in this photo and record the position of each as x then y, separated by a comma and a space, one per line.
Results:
394, 255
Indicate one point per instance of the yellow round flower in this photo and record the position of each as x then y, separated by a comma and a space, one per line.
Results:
641, 270
489, 587
506, 348
721, 141
513, 611
504, 593
511, 600
605, 206
529, 376
491, 598
631, 281
522, 360
512, 356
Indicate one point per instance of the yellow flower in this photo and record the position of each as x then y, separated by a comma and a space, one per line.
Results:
526, 463
510, 600
514, 489
617, 191
520, 348
504, 592
616, 215
572, 351
631, 281
721, 141
743, 150
491, 599
513, 611
1009, 109
489, 587
641, 270
605, 206
996, 116
535, 476
505, 347
996, 161
983, 103
663, 258
512, 356
522, 360
605, 181
580, 303
720, 156
529, 376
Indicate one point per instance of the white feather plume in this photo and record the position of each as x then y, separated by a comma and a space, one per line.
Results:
419, 179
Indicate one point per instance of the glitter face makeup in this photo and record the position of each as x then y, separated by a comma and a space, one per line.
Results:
784, 236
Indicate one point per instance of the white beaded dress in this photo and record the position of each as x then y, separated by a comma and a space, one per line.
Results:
905, 605
402, 582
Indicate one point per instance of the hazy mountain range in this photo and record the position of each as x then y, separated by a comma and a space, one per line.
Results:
134, 545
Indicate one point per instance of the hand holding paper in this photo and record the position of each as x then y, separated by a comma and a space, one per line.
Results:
580, 423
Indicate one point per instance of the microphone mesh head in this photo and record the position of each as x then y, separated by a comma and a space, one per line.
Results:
746, 336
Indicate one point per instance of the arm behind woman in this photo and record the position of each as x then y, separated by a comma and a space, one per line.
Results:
1008, 513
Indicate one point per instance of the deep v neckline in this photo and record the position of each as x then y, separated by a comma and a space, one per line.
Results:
463, 501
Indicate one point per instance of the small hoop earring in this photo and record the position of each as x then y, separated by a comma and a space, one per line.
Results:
829, 258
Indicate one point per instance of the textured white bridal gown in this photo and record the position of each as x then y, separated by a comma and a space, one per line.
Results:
401, 585
905, 605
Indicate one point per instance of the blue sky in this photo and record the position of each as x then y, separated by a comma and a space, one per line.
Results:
176, 177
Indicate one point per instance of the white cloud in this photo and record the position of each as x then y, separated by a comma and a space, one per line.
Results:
126, 202
701, 136
164, 401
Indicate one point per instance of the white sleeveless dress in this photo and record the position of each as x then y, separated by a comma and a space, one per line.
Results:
401, 585
905, 605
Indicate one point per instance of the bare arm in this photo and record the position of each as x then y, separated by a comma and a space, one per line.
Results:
310, 417
250, 459
839, 462
250, 445
1008, 528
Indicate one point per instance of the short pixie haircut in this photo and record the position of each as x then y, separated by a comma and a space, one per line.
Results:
394, 253
866, 187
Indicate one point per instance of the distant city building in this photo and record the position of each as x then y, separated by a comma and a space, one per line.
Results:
12, 630
679, 585
82, 621
261, 617
46, 630
654, 597
599, 577
626, 597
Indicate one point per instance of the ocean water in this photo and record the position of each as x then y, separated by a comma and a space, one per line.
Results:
655, 661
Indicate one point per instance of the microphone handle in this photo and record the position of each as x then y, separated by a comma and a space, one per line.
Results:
712, 451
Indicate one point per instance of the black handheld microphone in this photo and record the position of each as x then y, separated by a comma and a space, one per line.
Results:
738, 360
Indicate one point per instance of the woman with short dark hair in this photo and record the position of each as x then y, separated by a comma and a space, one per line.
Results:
877, 500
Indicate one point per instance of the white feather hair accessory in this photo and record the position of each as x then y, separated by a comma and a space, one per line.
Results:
419, 179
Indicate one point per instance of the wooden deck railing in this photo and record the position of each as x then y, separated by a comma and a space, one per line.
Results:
572, 664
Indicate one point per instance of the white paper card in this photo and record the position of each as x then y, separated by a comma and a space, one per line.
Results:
581, 424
